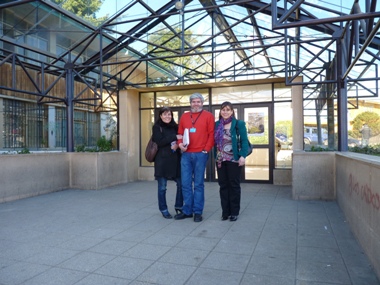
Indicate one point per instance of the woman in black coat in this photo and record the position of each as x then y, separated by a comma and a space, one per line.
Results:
168, 159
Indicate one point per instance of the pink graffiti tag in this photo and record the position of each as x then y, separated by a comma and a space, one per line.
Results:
364, 192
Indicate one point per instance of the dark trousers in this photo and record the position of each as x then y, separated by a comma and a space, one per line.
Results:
229, 188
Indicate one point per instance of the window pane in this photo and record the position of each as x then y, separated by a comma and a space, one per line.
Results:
282, 92
60, 124
242, 94
23, 125
283, 128
147, 100
179, 98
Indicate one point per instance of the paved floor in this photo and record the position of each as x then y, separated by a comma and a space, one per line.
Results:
118, 236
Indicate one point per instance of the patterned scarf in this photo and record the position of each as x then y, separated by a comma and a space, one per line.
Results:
220, 132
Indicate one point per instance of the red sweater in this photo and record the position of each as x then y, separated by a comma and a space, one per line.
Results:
204, 125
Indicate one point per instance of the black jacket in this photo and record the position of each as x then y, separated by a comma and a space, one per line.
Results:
166, 163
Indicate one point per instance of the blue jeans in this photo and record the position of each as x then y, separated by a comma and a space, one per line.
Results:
193, 165
162, 182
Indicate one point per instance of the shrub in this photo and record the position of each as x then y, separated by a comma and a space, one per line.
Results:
80, 148
370, 149
24, 151
102, 145
319, 148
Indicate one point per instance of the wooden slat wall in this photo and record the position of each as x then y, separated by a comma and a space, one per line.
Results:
24, 83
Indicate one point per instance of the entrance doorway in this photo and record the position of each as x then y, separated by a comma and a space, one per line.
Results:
259, 122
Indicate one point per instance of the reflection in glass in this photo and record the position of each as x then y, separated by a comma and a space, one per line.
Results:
179, 97
283, 131
257, 165
242, 94
282, 92
147, 100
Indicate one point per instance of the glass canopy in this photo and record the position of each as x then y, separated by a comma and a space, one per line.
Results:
157, 43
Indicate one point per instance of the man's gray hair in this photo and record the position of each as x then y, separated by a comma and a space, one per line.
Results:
197, 96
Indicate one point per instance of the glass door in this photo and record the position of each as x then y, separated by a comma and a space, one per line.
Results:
258, 121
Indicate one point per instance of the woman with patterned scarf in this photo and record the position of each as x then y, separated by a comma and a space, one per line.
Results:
231, 143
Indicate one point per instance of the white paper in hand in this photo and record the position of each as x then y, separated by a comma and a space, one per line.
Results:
186, 138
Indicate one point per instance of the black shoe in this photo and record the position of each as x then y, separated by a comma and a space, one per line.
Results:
167, 215
233, 218
178, 210
224, 218
182, 216
198, 218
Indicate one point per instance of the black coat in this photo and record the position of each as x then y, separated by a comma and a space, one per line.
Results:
166, 163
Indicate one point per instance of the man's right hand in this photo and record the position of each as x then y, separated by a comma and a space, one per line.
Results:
182, 147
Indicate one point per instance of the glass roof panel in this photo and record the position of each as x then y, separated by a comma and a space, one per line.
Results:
224, 40
35, 24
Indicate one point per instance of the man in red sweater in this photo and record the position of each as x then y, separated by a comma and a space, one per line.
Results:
200, 124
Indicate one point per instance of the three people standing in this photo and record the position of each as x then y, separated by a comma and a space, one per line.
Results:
186, 163
231, 142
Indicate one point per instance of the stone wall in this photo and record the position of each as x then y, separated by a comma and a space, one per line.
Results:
27, 175
313, 175
358, 195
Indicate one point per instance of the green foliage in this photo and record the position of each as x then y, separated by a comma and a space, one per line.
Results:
85, 9
371, 119
103, 144
371, 150
258, 139
24, 151
172, 41
80, 148
284, 127
319, 148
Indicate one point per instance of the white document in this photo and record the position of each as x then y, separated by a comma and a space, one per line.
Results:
186, 137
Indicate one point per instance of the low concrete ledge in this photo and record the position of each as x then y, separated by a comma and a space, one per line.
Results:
313, 175
282, 177
97, 170
146, 173
27, 175
358, 195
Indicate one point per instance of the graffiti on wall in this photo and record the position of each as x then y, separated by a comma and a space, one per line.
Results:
364, 192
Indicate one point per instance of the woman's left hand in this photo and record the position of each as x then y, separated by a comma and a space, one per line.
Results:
241, 161
174, 146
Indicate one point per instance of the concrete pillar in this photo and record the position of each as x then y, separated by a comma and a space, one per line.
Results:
129, 130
